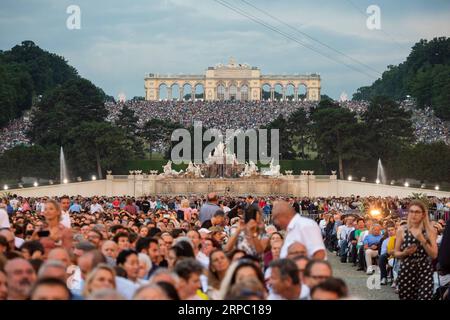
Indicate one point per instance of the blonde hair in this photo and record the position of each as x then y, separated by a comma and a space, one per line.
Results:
101, 266
56, 205
185, 203
425, 219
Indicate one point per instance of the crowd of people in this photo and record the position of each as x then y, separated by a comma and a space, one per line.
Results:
231, 115
217, 247
14, 134
427, 127
221, 115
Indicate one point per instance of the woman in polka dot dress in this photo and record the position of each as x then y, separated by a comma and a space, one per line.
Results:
416, 246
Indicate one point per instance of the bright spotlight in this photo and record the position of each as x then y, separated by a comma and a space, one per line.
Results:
377, 181
422, 186
5, 187
375, 213
65, 181
35, 184
436, 188
350, 178
406, 184
94, 178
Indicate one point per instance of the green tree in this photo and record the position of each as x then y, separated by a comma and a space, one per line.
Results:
157, 130
47, 70
299, 131
66, 107
96, 147
29, 161
338, 136
285, 145
424, 162
388, 128
128, 121
424, 75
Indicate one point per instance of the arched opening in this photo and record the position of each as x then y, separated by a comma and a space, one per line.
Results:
175, 92
302, 92
187, 91
221, 92
163, 92
244, 93
265, 92
290, 91
199, 91
278, 92
232, 91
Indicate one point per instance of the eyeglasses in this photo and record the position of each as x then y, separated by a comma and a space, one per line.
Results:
319, 277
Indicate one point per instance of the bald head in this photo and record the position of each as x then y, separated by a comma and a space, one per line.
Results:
282, 213
60, 254
296, 249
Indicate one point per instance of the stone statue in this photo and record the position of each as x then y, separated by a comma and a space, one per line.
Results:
274, 169
246, 171
253, 168
198, 171
169, 171
219, 150
190, 168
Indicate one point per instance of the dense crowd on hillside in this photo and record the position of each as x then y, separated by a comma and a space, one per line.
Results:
216, 114
232, 115
14, 134
427, 127
212, 248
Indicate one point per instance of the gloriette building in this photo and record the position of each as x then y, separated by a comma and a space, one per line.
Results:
232, 82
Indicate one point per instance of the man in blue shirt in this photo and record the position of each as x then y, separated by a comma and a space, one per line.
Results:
75, 207
371, 245
209, 208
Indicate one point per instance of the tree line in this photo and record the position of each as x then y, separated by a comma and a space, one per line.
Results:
425, 76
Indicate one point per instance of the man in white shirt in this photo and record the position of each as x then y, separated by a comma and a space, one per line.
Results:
298, 229
4, 218
65, 216
95, 206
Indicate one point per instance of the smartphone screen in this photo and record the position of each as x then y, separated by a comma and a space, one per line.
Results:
43, 233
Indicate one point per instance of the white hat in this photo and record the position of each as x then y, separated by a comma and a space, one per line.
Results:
204, 230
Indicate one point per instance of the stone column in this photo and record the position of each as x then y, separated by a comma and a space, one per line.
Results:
272, 94
109, 185
169, 93
284, 93
192, 93
181, 93
139, 185
296, 94
131, 185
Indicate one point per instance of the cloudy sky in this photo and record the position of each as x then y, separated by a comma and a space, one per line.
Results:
121, 41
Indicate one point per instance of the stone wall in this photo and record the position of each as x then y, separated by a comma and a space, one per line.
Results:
295, 185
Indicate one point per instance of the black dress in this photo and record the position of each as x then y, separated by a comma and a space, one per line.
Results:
415, 277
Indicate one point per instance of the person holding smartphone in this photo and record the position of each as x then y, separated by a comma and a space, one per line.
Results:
249, 235
53, 228
416, 246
